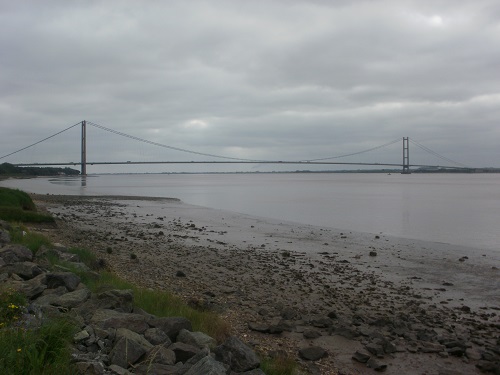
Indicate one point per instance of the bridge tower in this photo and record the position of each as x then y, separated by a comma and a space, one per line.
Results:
406, 156
84, 148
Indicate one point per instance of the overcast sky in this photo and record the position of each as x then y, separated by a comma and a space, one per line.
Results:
274, 79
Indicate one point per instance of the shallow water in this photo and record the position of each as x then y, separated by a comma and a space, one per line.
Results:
462, 209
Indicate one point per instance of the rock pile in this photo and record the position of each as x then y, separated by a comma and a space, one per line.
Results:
115, 337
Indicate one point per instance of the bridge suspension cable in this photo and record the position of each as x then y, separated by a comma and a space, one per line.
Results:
436, 154
40, 141
355, 153
166, 146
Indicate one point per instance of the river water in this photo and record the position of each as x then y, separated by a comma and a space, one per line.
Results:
461, 209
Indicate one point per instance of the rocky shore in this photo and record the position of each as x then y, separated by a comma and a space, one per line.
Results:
340, 302
114, 337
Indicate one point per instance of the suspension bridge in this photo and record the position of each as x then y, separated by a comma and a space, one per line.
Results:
405, 164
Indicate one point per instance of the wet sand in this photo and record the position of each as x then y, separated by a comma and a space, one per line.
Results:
274, 273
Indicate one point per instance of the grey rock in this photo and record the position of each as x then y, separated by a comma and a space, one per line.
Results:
16, 253
115, 369
361, 357
159, 369
4, 237
258, 327
133, 336
288, 313
90, 368
311, 334
312, 353
473, 354
156, 337
375, 349
80, 336
72, 299
197, 339
160, 354
183, 352
207, 366
430, 347
237, 355
66, 279
26, 270
377, 366
321, 322
171, 326
122, 300
126, 352
456, 351
487, 366
106, 319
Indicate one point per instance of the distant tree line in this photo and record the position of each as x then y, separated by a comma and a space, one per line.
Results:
12, 170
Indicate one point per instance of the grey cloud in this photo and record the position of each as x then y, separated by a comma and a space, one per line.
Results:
257, 79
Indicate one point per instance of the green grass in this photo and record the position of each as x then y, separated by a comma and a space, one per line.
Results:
43, 350
16, 205
162, 303
29, 350
32, 241
279, 366
17, 214
16, 198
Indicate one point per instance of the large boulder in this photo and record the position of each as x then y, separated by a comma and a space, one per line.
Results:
66, 279
183, 352
160, 354
4, 237
198, 339
72, 299
129, 348
207, 366
126, 352
106, 319
121, 300
156, 337
25, 270
237, 355
16, 253
171, 326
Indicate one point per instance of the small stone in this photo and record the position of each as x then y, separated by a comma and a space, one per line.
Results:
311, 334
377, 366
361, 357
180, 274
373, 253
312, 353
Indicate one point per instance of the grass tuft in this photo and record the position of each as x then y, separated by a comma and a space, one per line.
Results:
32, 241
44, 350
279, 366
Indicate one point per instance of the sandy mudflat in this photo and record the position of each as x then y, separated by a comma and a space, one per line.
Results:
414, 294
